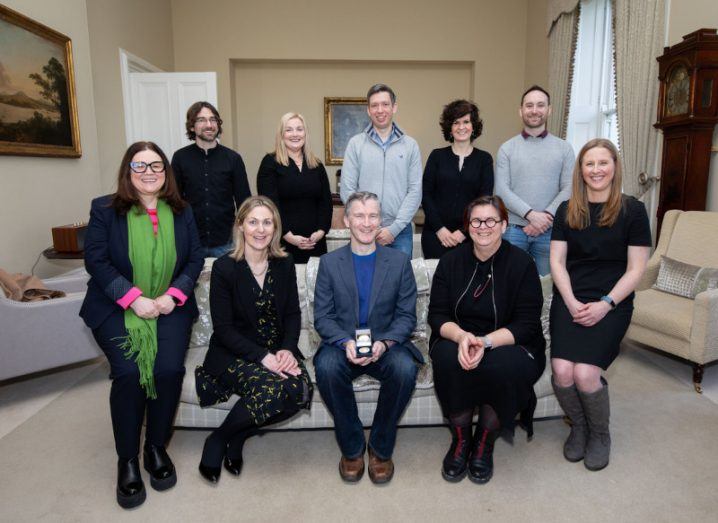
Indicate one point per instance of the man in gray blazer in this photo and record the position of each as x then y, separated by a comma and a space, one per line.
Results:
365, 286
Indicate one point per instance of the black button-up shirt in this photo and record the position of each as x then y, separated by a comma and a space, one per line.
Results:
214, 183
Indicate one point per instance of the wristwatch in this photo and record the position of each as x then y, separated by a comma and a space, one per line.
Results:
609, 300
486, 341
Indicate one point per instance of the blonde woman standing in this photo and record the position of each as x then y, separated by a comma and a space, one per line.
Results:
296, 181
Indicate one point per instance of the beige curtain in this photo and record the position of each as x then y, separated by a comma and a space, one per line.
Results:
555, 8
638, 39
562, 49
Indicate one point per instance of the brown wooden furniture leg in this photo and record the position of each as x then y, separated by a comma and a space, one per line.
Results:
698, 377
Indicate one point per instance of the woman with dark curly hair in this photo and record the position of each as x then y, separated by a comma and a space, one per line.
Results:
454, 176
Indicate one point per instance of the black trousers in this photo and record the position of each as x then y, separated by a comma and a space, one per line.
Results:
128, 401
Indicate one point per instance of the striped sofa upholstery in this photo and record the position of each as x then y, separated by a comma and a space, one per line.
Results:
423, 409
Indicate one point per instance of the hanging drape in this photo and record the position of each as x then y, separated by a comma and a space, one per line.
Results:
638, 28
562, 35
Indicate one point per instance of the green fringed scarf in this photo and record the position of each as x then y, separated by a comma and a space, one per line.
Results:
153, 261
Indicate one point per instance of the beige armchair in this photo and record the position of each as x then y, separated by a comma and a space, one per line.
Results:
681, 326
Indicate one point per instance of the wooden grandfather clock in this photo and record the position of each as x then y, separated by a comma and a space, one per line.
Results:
687, 115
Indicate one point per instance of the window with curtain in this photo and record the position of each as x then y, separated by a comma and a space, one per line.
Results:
592, 113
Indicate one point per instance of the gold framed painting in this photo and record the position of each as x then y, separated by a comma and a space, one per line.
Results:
343, 118
38, 105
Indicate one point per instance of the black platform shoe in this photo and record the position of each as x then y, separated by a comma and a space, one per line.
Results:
160, 467
130, 488
455, 462
481, 461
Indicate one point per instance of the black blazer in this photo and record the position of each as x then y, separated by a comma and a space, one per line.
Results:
108, 263
518, 294
234, 315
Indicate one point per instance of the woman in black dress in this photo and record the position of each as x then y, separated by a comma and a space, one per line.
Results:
600, 245
297, 183
253, 350
487, 346
453, 177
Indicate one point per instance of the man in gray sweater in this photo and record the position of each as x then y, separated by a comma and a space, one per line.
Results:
385, 161
533, 176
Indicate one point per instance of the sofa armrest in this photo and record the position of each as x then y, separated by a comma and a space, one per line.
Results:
75, 281
43, 334
704, 330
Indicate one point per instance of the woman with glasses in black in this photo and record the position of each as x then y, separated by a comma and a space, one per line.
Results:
143, 255
487, 345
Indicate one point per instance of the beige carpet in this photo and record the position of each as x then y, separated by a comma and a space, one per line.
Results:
60, 466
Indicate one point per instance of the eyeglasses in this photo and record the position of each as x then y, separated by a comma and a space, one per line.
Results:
141, 167
489, 222
204, 120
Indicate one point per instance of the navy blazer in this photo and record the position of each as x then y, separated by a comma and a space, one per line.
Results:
235, 321
392, 303
108, 263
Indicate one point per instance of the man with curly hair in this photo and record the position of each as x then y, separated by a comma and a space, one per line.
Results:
211, 177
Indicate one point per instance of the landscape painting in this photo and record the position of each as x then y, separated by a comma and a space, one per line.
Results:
38, 108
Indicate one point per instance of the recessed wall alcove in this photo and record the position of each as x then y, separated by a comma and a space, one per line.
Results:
263, 90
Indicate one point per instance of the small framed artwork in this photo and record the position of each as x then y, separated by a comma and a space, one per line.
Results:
343, 118
38, 107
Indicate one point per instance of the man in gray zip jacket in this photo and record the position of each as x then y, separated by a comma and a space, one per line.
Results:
385, 161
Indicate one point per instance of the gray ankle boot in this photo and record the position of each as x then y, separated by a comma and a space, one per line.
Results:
597, 410
575, 446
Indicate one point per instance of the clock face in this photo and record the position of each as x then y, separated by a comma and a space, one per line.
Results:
677, 92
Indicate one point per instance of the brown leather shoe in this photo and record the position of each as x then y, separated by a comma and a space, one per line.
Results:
351, 470
380, 470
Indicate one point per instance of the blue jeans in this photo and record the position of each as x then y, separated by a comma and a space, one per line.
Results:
396, 370
404, 241
537, 246
217, 251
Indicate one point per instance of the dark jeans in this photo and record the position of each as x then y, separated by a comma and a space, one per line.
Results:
396, 370
128, 402
217, 251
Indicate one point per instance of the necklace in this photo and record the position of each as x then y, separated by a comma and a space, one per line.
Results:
258, 274
480, 290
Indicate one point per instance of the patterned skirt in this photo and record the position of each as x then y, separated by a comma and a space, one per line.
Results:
263, 393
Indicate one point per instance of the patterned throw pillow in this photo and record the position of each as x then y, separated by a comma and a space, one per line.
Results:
683, 279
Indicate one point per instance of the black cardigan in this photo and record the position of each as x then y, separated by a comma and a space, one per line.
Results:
446, 191
518, 293
234, 316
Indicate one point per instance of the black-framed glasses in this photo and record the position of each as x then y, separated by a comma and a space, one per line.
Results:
203, 120
141, 167
489, 222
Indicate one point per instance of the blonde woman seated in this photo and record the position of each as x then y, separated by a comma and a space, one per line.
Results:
253, 350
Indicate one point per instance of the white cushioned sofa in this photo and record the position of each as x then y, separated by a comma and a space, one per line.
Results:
423, 409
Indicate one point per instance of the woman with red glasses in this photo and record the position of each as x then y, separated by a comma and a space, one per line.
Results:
487, 345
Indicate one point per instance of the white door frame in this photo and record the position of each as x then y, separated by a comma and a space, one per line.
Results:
130, 63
